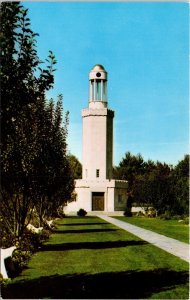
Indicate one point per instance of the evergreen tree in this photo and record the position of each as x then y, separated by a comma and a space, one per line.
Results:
129, 168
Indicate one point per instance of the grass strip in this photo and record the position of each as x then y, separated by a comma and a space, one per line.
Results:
87, 258
169, 228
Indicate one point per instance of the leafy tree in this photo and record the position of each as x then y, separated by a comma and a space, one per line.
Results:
33, 142
156, 184
75, 166
153, 187
180, 184
18, 87
149, 182
56, 182
129, 169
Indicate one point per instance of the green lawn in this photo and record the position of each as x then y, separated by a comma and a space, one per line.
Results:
89, 258
170, 228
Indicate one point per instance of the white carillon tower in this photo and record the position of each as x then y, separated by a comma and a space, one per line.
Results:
97, 191
97, 129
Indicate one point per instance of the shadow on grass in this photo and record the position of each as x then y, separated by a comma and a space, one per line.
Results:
90, 245
84, 230
121, 285
82, 224
82, 217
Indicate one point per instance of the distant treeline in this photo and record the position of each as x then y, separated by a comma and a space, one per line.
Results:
156, 184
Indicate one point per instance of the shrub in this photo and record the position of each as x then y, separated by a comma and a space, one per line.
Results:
6, 240
20, 260
176, 217
26, 246
166, 216
186, 221
127, 212
81, 212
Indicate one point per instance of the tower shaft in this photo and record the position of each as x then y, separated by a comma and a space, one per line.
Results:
97, 143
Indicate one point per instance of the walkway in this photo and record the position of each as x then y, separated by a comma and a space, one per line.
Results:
170, 245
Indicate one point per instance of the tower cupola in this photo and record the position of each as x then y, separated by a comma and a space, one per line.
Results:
98, 87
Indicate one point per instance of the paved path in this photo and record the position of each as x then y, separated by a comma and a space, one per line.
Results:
170, 245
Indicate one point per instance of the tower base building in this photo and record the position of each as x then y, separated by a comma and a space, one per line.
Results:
99, 196
97, 191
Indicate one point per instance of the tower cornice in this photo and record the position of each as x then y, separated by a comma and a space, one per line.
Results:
86, 112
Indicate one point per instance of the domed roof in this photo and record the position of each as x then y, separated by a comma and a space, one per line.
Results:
98, 68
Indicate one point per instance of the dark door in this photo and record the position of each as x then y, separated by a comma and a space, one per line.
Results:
97, 201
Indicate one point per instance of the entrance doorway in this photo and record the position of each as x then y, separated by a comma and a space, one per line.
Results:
98, 201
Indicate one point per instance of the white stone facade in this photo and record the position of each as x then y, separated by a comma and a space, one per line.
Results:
112, 195
97, 143
97, 191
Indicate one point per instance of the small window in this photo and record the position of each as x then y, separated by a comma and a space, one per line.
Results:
86, 173
97, 173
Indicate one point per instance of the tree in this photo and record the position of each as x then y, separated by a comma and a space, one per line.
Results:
180, 184
149, 182
156, 184
75, 166
18, 88
56, 182
129, 167
27, 123
153, 187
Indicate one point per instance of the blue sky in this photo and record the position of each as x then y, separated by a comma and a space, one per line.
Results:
144, 48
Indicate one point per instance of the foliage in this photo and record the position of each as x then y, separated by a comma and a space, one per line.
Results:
55, 184
20, 260
6, 238
156, 184
127, 212
29, 244
129, 167
180, 187
34, 168
166, 215
75, 166
81, 212
31, 241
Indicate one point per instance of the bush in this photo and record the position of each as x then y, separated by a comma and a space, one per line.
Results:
30, 241
81, 212
6, 240
176, 217
166, 216
186, 221
20, 260
127, 212
26, 246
